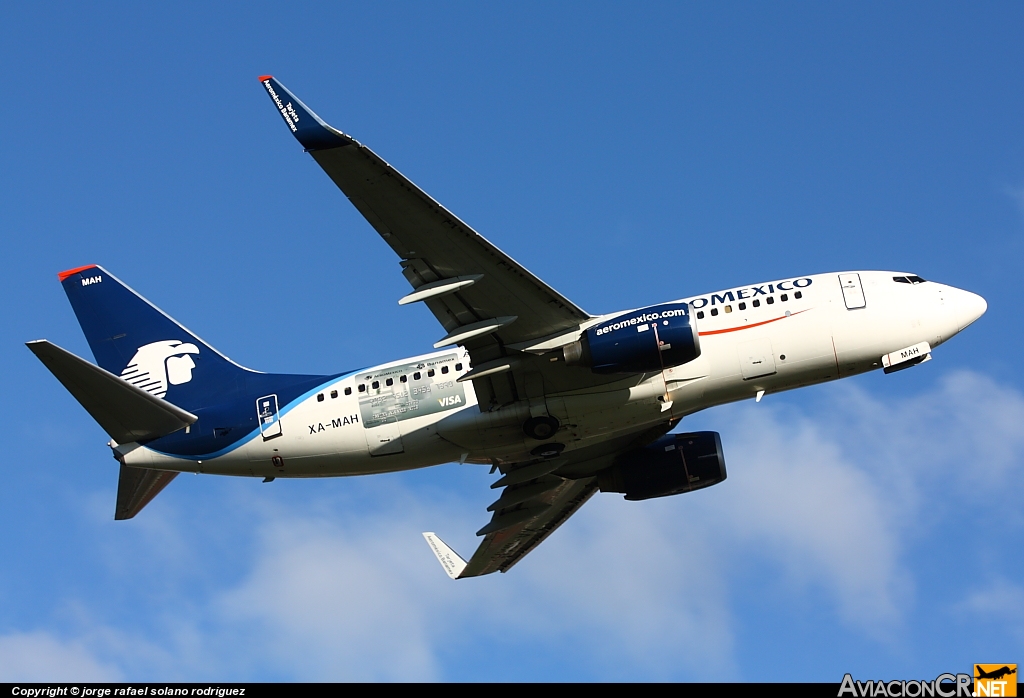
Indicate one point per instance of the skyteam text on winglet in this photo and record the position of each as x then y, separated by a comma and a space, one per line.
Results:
563, 403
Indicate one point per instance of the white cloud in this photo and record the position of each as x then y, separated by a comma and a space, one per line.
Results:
1000, 603
361, 598
796, 499
966, 433
1017, 194
831, 502
838, 491
43, 658
833, 497
1001, 597
636, 586
329, 604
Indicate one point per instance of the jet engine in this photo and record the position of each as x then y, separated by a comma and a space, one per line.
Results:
649, 339
673, 464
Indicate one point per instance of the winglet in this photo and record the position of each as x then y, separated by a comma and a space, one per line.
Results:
449, 559
308, 128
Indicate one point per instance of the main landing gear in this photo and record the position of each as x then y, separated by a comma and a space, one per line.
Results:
540, 428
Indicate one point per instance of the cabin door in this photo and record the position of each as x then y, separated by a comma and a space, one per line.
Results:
853, 292
268, 417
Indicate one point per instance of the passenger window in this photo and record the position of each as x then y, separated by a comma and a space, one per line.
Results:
728, 308
404, 379
743, 306
375, 385
416, 376
320, 397
444, 369
798, 294
348, 391
334, 394
756, 303
770, 300
389, 381
700, 314
362, 387
714, 312
458, 367
430, 373
784, 297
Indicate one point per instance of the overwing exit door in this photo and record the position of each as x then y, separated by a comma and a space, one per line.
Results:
756, 358
385, 399
384, 439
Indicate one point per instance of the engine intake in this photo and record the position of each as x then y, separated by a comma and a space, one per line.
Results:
673, 464
649, 339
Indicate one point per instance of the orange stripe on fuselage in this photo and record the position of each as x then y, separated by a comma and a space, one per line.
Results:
747, 327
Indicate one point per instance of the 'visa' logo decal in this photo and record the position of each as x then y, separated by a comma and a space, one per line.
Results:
449, 401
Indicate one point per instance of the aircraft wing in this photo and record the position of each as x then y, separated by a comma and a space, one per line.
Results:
535, 501
480, 295
515, 531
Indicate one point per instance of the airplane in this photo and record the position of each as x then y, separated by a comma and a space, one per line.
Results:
995, 673
560, 402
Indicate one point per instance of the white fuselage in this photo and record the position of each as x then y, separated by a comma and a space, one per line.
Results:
768, 337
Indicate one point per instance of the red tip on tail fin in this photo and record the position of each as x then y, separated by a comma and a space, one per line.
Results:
265, 77
65, 274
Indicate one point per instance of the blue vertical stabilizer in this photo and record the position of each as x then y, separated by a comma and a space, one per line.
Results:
133, 339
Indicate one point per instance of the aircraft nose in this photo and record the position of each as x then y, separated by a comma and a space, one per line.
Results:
969, 307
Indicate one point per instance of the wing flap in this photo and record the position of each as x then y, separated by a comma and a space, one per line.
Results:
417, 227
538, 498
502, 549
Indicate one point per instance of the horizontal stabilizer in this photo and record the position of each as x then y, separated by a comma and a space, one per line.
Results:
136, 488
449, 559
125, 412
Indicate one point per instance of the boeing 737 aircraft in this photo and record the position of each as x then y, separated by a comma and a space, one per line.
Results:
563, 403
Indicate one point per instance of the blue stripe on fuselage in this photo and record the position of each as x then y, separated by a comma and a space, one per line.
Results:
223, 428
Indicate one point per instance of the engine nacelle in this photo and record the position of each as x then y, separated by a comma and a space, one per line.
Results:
673, 464
649, 339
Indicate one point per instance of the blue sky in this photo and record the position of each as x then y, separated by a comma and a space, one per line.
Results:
626, 156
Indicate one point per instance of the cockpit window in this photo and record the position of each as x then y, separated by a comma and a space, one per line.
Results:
916, 279
908, 280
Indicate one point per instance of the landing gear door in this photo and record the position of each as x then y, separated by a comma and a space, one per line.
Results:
853, 292
268, 417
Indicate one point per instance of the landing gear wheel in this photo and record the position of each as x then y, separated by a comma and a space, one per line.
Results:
540, 428
548, 450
